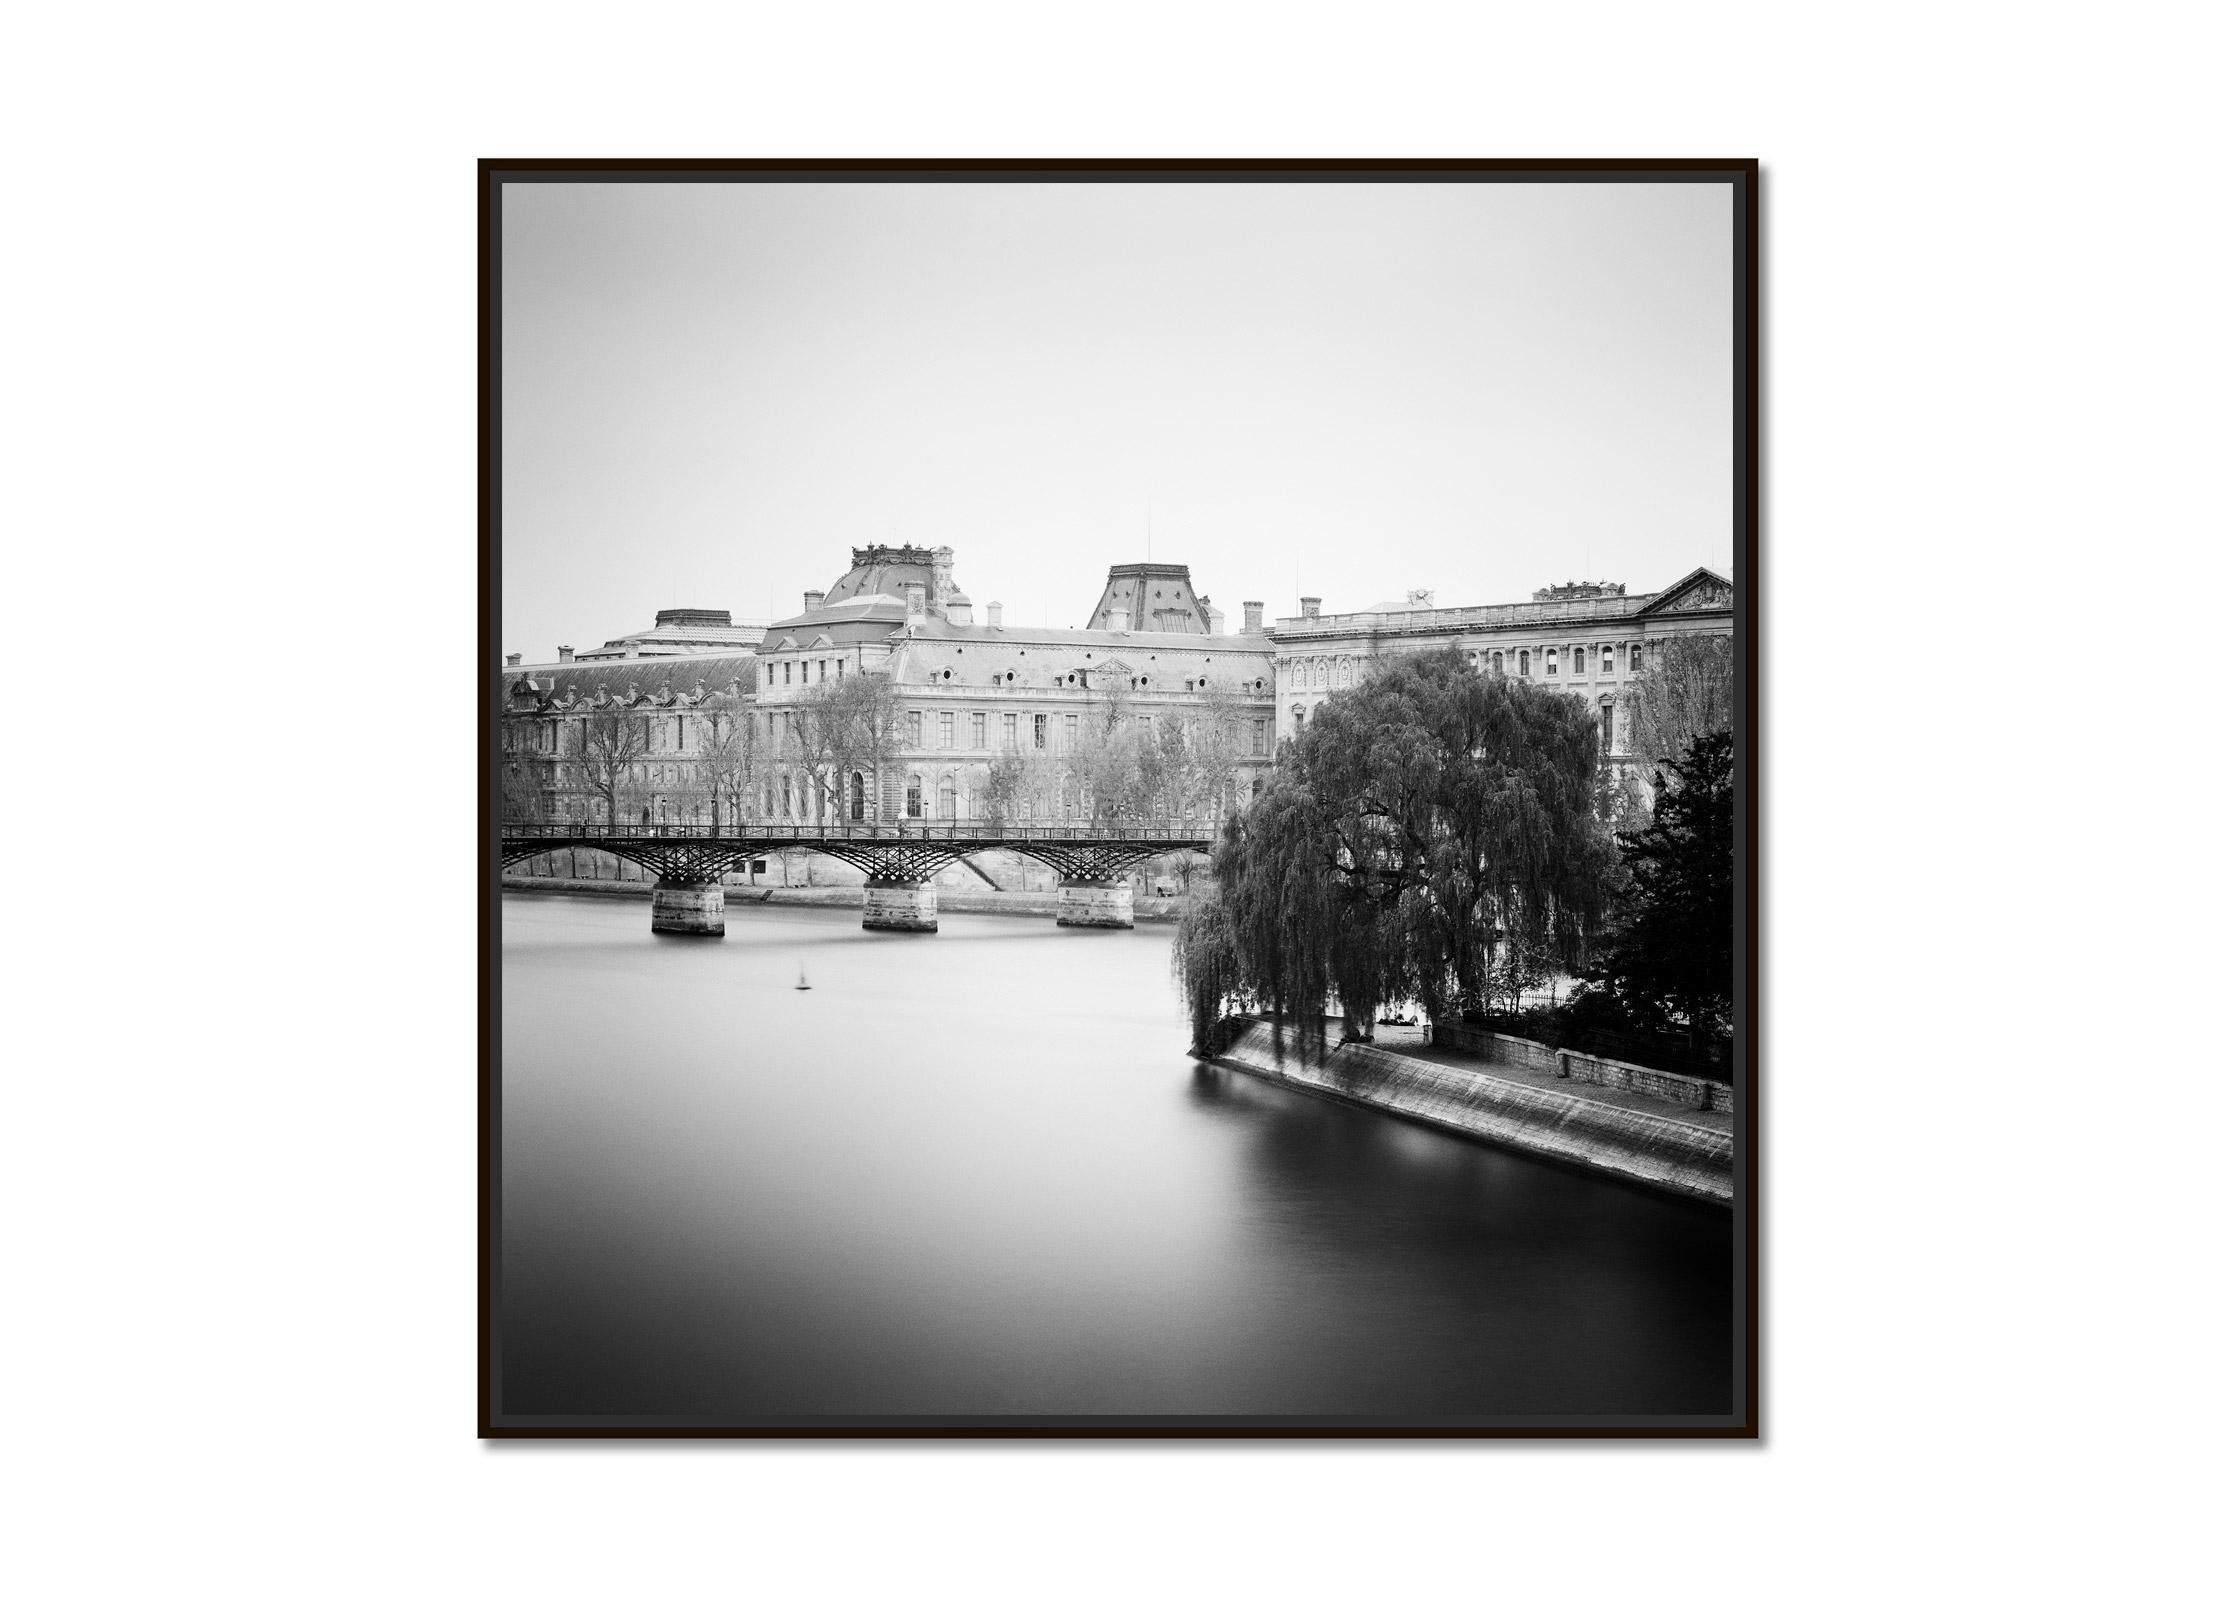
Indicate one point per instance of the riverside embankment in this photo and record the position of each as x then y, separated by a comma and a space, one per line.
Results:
1613, 1130
992, 902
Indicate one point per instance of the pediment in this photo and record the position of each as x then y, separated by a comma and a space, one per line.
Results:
1700, 590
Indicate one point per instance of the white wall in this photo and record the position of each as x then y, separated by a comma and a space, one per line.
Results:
241, 1271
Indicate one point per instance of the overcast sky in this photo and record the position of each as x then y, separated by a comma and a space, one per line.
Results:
712, 390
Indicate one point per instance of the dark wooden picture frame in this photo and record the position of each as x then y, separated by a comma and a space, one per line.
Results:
1744, 1421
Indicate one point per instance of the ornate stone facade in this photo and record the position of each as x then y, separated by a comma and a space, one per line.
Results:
1590, 640
972, 691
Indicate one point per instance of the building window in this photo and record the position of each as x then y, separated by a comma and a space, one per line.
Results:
1579, 660
785, 794
1298, 719
770, 674
789, 674
979, 730
1011, 730
821, 665
1609, 718
1609, 658
1553, 656
855, 797
948, 799
1073, 731
1041, 731
1633, 658
917, 730
914, 799
948, 730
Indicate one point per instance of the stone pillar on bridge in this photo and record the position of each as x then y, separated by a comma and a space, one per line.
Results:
688, 905
1096, 902
900, 905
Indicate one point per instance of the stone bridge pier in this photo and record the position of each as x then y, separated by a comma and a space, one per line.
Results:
688, 905
1096, 902
898, 892
901, 905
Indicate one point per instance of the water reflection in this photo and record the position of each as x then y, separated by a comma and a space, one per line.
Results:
976, 1174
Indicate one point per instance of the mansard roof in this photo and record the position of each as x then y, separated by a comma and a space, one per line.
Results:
890, 569
653, 682
1157, 597
886, 611
680, 631
1094, 638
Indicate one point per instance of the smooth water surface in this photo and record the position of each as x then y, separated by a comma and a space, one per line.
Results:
975, 1173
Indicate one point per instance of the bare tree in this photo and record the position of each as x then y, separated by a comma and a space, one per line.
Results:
610, 743
849, 726
724, 765
1003, 789
1687, 693
521, 771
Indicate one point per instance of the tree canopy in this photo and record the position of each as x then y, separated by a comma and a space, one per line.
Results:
1422, 822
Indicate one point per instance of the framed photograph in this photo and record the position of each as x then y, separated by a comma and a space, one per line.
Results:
1119, 798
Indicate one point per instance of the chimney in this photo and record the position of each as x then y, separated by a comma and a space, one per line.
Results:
995, 613
811, 599
567, 652
914, 599
959, 613
1215, 621
1310, 605
1252, 616
514, 660
630, 650
1117, 619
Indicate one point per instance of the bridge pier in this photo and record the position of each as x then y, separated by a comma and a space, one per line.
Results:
1096, 903
688, 905
900, 905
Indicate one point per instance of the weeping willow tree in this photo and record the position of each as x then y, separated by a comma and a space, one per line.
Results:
1420, 825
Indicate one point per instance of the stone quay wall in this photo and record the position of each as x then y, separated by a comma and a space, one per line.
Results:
1678, 1157
1697, 1094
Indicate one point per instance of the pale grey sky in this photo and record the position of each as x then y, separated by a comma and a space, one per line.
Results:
1347, 390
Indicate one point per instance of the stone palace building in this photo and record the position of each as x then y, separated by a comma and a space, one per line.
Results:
972, 690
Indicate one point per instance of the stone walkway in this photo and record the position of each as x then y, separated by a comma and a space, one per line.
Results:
1408, 1041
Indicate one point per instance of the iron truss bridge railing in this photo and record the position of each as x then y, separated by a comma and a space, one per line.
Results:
904, 852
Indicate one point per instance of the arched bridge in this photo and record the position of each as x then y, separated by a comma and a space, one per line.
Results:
899, 859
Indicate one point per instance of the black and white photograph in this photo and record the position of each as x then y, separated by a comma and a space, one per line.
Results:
1118, 799
1171, 800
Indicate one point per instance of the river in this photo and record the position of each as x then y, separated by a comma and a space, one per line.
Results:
975, 1174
